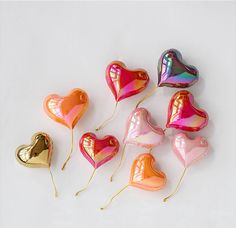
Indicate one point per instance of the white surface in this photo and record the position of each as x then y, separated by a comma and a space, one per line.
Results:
51, 48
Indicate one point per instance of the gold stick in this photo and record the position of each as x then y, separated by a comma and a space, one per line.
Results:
115, 195
119, 165
177, 187
83, 189
71, 150
146, 96
54, 185
107, 120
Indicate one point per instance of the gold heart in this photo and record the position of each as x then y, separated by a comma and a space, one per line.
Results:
38, 154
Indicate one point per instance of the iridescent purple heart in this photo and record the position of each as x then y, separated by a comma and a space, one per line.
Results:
173, 72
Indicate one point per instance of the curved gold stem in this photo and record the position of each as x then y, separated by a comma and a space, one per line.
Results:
71, 150
115, 195
83, 189
177, 187
147, 96
107, 120
120, 162
53, 182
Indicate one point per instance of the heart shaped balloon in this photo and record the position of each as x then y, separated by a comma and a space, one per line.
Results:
140, 131
67, 110
173, 72
38, 154
98, 151
189, 150
124, 82
143, 174
182, 114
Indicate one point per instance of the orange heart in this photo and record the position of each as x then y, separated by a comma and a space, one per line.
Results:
67, 110
143, 175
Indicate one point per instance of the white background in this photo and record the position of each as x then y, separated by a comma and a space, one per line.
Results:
54, 47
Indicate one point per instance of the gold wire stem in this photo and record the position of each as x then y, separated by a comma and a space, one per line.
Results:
120, 162
105, 122
71, 150
83, 189
147, 96
177, 186
150, 150
53, 182
115, 195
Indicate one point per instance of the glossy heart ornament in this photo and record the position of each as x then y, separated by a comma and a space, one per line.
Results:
124, 82
189, 150
67, 110
38, 154
141, 131
173, 72
143, 174
98, 151
182, 114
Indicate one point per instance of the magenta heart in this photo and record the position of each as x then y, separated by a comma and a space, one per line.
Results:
189, 150
140, 131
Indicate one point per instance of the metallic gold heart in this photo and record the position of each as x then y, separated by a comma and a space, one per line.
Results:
38, 154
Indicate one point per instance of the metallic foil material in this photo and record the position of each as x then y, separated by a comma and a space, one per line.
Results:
143, 174
124, 82
98, 151
141, 131
189, 150
69, 109
183, 115
173, 72
38, 154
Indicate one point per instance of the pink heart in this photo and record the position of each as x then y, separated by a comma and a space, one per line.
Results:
189, 150
140, 131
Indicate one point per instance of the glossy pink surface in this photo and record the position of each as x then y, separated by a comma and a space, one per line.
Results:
182, 114
140, 131
189, 150
98, 151
124, 82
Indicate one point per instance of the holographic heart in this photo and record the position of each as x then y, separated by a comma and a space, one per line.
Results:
183, 115
98, 151
143, 174
124, 82
140, 131
67, 110
189, 150
173, 72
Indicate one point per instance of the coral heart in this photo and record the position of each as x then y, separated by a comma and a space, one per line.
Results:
144, 176
124, 82
183, 115
67, 110
140, 131
172, 71
98, 151
189, 150
38, 154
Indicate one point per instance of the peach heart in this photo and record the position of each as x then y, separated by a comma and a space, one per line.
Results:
98, 151
143, 175
140, 131
67, 110
189, 150
182, 114
124, 82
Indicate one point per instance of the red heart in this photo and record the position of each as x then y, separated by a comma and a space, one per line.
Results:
183, 115
98, 151
124, 82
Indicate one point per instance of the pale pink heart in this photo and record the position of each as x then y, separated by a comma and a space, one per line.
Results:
189, 150
140, 131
